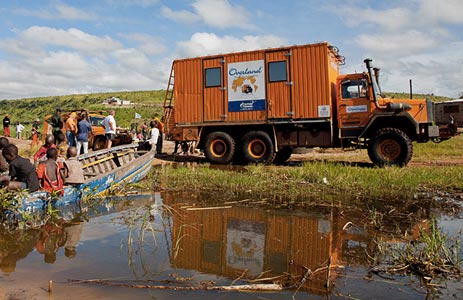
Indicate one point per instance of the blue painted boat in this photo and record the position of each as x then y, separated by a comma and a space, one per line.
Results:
103, 170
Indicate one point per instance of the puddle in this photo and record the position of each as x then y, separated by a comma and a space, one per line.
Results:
173, 240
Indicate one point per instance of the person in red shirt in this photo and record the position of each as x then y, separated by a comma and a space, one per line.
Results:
50, 173
42, 152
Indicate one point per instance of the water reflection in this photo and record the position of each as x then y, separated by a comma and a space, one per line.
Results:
255, 243
178, 239
62, 231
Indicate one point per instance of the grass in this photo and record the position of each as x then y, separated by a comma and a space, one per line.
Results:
433, 255
314, 182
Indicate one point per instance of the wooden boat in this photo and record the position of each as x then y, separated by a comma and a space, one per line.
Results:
103, 170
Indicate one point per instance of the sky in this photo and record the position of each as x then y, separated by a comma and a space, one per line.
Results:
64, 47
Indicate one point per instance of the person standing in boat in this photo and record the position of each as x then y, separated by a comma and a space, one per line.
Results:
50, 173
22, 173
109, 124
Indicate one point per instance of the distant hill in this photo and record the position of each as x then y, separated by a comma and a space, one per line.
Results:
145, 103
432, 97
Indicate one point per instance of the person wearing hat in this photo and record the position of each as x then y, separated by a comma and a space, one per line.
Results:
71, 130
56, 123
35, 133
6, 125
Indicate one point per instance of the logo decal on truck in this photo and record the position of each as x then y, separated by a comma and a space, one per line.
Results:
356, 109
246, 86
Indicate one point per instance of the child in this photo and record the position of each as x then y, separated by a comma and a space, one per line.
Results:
73, 172
22, 173
42, 152
50, 174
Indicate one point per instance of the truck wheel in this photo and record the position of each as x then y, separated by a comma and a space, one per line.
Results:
283, 155
390, 146
257, 147
219, 148
98, 144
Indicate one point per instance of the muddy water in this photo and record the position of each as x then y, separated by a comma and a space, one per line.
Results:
175, 240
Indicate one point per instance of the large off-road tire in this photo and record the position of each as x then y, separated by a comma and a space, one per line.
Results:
257, 147
99, 143
283, 155
219, 148
390, 146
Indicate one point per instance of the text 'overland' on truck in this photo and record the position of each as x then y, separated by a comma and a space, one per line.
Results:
257, 106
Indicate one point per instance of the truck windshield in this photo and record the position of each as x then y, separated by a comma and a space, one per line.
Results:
94, 120
354, 88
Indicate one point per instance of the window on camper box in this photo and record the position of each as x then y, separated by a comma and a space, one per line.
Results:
277, 71
213, 77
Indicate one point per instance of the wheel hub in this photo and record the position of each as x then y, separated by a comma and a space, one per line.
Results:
218, 148
257, 149
389, 149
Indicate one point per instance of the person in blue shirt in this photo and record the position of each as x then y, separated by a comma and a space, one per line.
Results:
83, 129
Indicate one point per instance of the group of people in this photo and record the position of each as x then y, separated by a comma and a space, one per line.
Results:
20, 129
75, 131
50, 172
153, 134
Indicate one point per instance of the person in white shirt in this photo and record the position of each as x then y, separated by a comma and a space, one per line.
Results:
109, 124
19, 128
154, 134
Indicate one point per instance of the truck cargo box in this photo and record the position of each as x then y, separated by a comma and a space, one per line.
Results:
262, 86
449, 110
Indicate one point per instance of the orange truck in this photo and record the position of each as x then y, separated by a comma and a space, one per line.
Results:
96, 139
257, 106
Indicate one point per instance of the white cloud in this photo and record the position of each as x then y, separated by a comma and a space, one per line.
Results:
60, 12
148, 44
182, 16
44, 61
71, 38
215, 13
442, 11
396, 44
203, 43
222, 14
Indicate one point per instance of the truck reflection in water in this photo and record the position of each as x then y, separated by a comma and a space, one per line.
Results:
256, 243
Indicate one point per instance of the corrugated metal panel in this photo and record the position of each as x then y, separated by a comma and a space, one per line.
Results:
310, 70
213, 97
188, 91
312, 80
279, 92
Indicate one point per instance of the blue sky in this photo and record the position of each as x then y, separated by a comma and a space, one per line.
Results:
62, 47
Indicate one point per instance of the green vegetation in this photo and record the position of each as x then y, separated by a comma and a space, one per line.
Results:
145, 103
432, 97
314, 182
433, 255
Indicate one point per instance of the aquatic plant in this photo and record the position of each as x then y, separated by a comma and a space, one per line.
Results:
432, 255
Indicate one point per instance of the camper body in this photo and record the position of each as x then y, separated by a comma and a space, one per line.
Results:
257, 106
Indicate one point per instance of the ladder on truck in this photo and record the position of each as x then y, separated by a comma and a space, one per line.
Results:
169, 105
